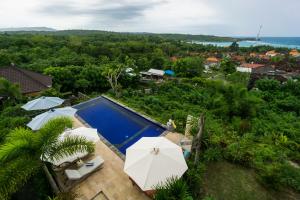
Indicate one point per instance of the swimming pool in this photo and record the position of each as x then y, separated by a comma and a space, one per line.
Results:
118, 125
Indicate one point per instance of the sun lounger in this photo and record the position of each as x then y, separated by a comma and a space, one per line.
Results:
70, 159
85, 169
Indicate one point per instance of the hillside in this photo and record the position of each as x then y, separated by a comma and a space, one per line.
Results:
26, 29
184, 37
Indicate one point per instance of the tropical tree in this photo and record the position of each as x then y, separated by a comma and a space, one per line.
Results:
189, 67
228, 66
236, 101
112, 73
234, 46
9, 90
23, 150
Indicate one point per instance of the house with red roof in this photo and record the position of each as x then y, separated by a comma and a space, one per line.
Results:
211, 62
248, 67
294, 53
272, 53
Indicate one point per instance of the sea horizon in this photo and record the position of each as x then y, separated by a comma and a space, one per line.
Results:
285, 42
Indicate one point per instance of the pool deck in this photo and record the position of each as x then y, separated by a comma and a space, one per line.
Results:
111, 181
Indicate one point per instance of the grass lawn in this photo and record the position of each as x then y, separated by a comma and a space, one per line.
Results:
225, 181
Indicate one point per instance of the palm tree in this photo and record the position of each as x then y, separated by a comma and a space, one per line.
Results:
23, 150
173, 189
9, 90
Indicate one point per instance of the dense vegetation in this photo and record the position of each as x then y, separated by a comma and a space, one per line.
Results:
185, 37
257, 129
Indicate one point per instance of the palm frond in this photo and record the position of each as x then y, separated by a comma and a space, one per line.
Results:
20, 134
15, 174
50, 131
14, 149
68, 147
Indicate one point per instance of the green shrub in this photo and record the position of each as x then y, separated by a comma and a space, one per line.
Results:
212, 154
194, 178
174, 189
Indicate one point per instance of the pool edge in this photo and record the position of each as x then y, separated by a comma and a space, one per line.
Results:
102, 138
135, 112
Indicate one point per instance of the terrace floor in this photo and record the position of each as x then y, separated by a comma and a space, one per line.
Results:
111, 182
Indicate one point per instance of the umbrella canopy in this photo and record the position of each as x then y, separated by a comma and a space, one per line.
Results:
89, 134
153, 160
37, 122
43, 103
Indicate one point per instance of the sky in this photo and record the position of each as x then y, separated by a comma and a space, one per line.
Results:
213, 17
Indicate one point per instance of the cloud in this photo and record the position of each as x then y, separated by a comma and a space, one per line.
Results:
219, 17
119, 10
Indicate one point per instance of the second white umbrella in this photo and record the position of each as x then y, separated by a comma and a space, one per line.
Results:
40, 120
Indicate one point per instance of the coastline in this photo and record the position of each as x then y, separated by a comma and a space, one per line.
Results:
267, 41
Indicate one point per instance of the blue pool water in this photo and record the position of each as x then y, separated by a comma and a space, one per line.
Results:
120, 126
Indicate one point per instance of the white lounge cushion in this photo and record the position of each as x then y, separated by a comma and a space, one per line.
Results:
75, 174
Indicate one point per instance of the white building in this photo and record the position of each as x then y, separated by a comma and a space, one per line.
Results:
248, 67
152, 74
156, 72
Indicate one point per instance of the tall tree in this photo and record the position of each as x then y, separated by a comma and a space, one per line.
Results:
196, 146
189, 67
228, 66
112, 72
22, 153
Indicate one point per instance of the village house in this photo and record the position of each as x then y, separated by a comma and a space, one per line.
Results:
152, 75
272, 53
294, 53
264, 57
238, 58
248, 67
31, 83
211, 62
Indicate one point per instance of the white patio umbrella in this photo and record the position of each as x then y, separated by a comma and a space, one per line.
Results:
90, 134
153, 160
37, 122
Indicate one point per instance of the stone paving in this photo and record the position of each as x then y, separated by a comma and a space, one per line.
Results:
111, 181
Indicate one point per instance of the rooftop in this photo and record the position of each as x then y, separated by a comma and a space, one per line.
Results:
294, 53
212, 59
156, 72
29, 81
251, 65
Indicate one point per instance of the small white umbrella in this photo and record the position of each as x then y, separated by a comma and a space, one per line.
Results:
37, 122
43, 103
153, 160
89, 134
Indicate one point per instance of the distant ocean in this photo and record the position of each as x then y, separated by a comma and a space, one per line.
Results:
288, 42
